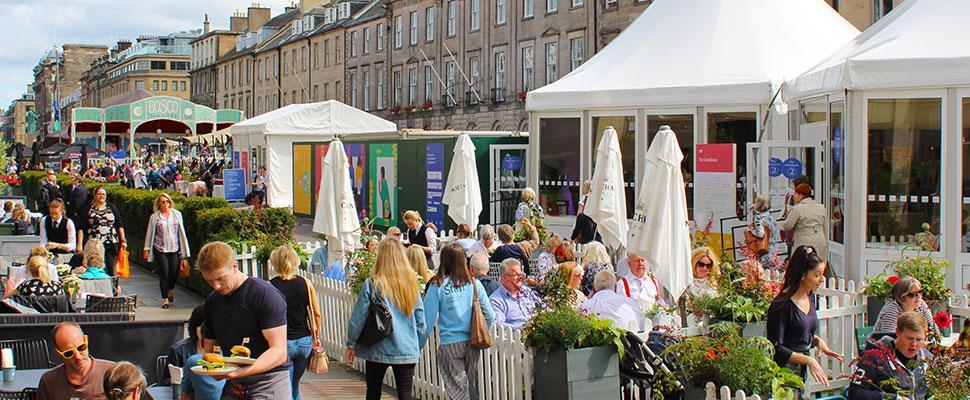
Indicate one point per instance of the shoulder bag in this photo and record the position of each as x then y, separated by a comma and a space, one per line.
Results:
379, 323
480, 336
319, 362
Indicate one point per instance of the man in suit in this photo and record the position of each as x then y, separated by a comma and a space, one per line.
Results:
77, 198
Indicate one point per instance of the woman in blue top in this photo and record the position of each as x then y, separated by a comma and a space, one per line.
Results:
792, 321
396, 283
448, 303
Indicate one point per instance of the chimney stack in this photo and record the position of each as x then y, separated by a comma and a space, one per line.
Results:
238, 22
205, 25
258, 16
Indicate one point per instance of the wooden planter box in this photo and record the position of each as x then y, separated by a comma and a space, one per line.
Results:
752, 329
588, 373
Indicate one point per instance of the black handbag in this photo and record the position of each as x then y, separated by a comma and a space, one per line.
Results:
378, 324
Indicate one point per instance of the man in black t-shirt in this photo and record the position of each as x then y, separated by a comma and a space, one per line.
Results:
242, 307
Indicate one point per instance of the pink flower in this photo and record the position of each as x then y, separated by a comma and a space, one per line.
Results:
892, 279
943, 320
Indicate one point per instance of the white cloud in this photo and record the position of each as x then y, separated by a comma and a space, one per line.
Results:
32, 27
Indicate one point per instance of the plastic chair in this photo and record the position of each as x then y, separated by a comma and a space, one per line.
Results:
861, 337
29, 353
161, 365
28, 394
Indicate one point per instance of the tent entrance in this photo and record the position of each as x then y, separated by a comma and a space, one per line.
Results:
774, 165
507, 177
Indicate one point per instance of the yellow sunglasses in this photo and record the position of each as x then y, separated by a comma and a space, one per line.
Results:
69, 353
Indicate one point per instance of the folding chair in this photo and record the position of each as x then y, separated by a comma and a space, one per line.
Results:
125, 304
29, 353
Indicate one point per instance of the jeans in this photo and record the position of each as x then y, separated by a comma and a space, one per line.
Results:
111, 257
167, 268
298, 350
403, 378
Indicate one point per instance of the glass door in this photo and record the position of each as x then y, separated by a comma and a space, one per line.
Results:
507, 173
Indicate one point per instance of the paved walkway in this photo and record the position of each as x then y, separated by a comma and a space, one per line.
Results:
342, 383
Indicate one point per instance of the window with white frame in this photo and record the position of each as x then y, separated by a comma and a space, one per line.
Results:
577, 3
366, 96
353, 90
412, 86
500, 70
500, 17
527, 68
450, 78
551, 57
381, 86
326, 52
398, 32
610, 3
428, 83
452, 17
353, 43
476, 12
552, 6
380, 37
397, 89
366, 40
527, 8
429, 24
576, 53
413, 34
473, 72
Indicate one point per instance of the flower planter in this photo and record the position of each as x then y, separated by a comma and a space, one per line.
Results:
750, 329
576, 374
873, 306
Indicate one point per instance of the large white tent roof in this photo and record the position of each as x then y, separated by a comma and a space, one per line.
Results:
922, 43
697, 52
329, 117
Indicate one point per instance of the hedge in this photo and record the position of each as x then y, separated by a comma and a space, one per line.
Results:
209, 218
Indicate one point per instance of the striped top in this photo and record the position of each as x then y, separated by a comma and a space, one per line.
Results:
886, 321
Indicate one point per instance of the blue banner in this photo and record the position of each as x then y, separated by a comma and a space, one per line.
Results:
436, 184
235, 159
792, 168
234, 181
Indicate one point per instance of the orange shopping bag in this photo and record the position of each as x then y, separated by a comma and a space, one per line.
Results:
123, 270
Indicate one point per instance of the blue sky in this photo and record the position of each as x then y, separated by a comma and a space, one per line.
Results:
32, 27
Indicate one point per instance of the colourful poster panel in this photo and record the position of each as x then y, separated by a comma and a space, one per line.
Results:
244, 159
302, 179
319, 152
714, 187
435, 212
357, 158
382, 184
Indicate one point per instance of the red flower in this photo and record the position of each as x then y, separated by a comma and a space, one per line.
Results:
711, 355
892, 279
943, 320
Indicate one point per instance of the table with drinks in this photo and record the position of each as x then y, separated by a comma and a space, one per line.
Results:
15, 381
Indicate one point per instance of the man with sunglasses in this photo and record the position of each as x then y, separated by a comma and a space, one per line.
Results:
80, 376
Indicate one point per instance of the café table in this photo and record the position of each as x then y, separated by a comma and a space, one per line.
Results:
164, 392
23, 379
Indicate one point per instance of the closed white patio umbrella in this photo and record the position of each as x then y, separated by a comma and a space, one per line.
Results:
336, 215
462, 191
607, 202
659, 232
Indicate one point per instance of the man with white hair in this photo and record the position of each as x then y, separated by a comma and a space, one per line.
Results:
514, 303
480, 268
639, 284
623, 311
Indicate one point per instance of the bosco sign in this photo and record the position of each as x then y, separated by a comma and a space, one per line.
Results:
163, 108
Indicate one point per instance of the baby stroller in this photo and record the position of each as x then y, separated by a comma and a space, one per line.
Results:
644, 374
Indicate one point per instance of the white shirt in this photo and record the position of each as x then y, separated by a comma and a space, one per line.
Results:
479, 248
623, 311
643, 290
71, 232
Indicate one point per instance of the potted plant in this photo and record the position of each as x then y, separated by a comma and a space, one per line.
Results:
948, 373
408, 109
743, 297
395, 110
726, 358
877, 290
426, 106
576, 355
520, 97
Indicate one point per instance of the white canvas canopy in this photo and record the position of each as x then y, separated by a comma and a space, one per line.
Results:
336, 216
701, 52
919, 44
277, 130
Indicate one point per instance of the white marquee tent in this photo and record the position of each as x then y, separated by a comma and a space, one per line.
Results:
701, 52
899, 92
915, 46
277, 130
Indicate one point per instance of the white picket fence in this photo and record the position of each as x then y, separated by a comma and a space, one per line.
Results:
505, 372
505, 369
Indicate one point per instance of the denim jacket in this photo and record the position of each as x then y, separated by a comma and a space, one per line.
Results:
403, 346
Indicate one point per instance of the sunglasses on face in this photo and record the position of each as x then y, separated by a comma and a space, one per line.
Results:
69, 352
914, 295
705, 265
